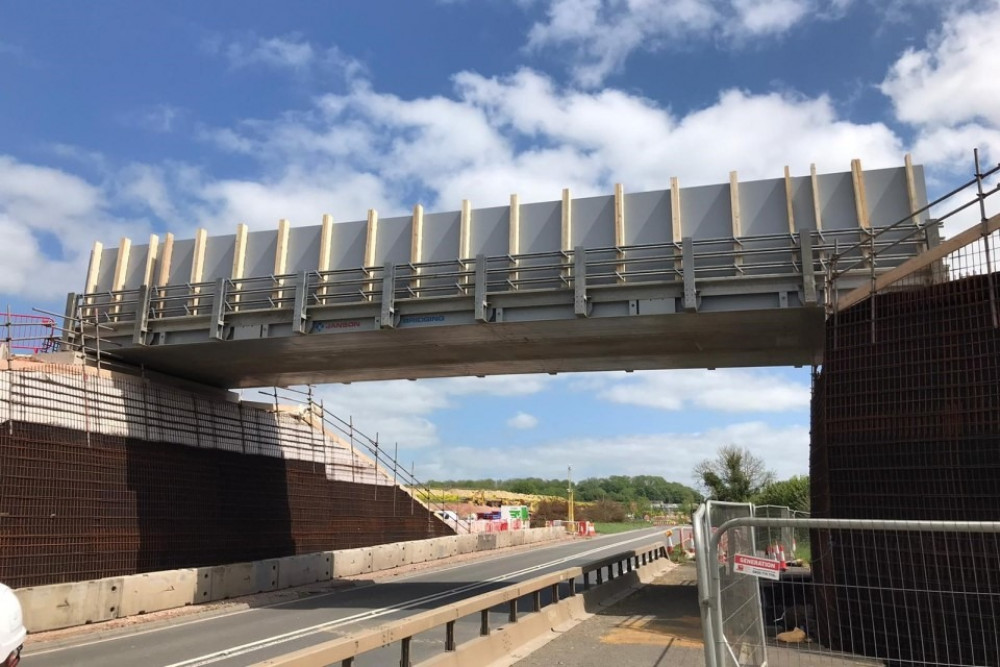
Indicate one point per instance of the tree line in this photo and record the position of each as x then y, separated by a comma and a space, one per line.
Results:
619, 488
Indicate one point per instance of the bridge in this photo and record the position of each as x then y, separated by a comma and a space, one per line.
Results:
734, 274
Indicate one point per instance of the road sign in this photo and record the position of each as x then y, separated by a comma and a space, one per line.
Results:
757, 567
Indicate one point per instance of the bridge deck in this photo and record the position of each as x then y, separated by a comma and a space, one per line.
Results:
727, 275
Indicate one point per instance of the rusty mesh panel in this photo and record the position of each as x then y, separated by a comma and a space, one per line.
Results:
906, 425
76, 506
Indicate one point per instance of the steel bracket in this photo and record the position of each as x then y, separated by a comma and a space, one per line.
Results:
581, 306
299, 315
690, 290
808, 268
480, 290
218, 323
142, 316
387, 319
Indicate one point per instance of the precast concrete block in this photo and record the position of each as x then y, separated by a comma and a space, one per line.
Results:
503, 539
156, 591
66, 605
467, 543
388, 556
517, 538
224, 582
445, 547
348, 562
486, 541
417, 551
304, 569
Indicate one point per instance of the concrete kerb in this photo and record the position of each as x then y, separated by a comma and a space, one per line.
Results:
65, 605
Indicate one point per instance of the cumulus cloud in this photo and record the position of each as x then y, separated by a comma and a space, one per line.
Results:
943, 89
402, 411
524, 133
47, 221
601, 34
723, 390
671, 455
523, 421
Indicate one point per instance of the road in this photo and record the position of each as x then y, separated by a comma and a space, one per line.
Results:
248, 636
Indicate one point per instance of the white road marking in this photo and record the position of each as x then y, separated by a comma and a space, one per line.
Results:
209, 658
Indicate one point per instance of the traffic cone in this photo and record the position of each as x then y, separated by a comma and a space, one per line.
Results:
781, 557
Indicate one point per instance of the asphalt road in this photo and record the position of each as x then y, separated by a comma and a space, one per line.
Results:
248, 636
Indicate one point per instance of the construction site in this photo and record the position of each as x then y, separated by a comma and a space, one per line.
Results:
123, 449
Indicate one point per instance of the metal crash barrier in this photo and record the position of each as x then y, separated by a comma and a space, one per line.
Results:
573, 582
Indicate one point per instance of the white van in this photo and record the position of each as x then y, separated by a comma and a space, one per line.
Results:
11, 628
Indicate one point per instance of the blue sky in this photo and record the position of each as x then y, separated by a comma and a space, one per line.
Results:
128, 118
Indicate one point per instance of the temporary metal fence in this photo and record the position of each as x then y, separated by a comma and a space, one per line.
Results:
932, 599
27, 334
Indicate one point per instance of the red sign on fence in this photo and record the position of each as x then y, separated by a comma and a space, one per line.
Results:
757, 567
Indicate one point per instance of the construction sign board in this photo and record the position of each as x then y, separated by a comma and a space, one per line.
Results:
757, 567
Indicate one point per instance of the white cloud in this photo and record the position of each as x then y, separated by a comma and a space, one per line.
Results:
288, 52
401, 411
522, 133
48, 220
671, 455
523, 421
945, 89
601, 34
723, 390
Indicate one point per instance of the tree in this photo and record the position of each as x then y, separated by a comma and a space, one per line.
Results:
734, 475
792, 493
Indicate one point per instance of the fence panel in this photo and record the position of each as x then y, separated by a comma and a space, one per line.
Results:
930, 594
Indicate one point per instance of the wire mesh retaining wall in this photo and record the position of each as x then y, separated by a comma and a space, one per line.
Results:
104, 475
914, 605
905, 426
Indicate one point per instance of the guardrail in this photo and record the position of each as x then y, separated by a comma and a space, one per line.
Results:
692, 262
346, 649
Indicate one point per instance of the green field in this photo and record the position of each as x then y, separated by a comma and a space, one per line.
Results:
608, 528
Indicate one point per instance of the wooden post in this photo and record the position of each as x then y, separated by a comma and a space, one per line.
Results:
465, 241
281, 259
371, 239
677, 227
620, 230
416, 245
197, 266
239, 262
567, 231
789, 200
734, 203
514, 238
325, 250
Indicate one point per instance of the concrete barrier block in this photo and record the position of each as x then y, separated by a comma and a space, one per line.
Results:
65, 605
388, 556
417, 551
504, 539
517, 538
224, 582
348, 562
156, 591
486, 541
445, 547
467, 543
304, 569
